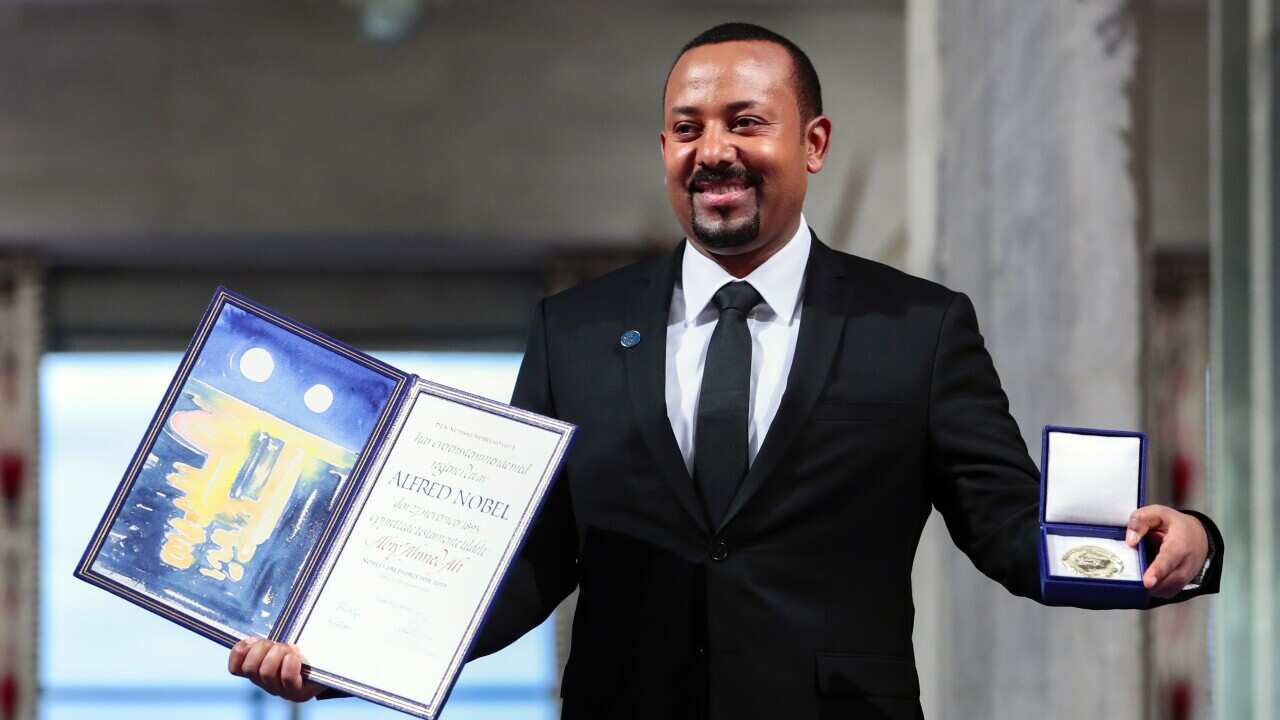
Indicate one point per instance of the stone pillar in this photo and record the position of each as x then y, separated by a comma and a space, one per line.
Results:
1245, 310
1034, 212
935, 553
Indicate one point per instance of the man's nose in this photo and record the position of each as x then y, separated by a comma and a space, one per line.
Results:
717, 148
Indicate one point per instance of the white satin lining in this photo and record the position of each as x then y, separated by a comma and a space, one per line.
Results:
1092, 479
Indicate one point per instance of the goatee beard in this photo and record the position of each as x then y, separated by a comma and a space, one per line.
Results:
727, 238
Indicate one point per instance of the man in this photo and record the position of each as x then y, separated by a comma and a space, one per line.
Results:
765, 425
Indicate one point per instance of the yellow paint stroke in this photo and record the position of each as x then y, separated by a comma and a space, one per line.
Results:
226, 430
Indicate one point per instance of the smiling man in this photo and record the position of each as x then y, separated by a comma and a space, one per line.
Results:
765, 426
743, 129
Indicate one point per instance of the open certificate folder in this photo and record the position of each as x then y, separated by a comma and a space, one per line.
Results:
292, 487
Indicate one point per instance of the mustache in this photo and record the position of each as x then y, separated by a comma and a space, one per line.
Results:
706, 174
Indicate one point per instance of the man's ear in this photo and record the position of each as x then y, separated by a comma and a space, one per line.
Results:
662, 144
817, 138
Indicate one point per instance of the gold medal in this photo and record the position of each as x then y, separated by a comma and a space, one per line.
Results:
1093, 561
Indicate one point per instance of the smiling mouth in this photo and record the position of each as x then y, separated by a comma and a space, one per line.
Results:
721, 187
719, 193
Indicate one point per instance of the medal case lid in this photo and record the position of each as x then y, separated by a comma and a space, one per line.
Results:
1091, 477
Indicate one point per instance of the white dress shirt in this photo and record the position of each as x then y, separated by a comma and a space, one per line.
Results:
774, 326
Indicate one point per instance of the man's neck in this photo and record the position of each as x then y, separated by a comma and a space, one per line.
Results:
743, 264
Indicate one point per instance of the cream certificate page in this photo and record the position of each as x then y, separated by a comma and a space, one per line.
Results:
440, 522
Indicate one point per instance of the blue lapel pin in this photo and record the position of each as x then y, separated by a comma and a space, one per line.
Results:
630, 339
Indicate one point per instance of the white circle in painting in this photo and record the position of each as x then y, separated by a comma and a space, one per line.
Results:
318, 398
257, 364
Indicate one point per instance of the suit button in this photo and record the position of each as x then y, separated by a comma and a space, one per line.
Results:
719, 551
700, 651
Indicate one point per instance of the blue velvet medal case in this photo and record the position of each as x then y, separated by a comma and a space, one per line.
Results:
1091, 480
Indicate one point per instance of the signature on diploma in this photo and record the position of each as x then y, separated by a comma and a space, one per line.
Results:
425, 559
345, 616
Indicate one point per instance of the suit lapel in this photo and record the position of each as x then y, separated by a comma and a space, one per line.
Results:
646, 375
821, 329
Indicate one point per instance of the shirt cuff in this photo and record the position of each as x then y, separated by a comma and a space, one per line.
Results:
1208, 561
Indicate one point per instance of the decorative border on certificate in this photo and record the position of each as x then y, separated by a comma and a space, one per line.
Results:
266, 425
448, 662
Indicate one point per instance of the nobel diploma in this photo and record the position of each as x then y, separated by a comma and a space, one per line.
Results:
404, 594
295, 488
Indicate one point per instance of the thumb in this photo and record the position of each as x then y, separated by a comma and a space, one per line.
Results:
1145, 520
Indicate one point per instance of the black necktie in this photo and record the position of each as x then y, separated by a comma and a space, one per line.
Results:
720, 444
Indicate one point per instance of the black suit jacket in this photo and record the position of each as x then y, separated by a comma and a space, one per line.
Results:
798, 604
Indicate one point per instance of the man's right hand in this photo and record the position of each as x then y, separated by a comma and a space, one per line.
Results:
273, 666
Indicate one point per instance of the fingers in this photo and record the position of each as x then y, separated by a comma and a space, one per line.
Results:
291, 677
1152, 518
1182, 555
1159, 570
236, 659
253, 660
269, 670
274, 667
1166, 579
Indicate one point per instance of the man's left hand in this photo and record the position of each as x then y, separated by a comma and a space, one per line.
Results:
1183, 544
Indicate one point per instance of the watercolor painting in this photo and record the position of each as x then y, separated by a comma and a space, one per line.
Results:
244, 474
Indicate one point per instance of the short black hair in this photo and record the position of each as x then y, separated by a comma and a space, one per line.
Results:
803, 75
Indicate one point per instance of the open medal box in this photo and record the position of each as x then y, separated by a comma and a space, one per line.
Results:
1091, 481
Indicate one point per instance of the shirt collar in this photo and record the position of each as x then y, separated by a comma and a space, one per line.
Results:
779, 280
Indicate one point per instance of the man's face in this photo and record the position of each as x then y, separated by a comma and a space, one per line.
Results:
736, 151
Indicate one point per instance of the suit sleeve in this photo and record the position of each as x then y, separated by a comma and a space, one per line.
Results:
546, 570
985, 484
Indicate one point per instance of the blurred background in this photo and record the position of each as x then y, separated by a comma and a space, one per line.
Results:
412, 175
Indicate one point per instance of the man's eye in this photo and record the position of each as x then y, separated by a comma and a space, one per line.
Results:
685, 128
745, 122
